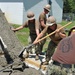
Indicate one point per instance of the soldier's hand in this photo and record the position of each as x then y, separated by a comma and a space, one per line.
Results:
57, 30
13, 29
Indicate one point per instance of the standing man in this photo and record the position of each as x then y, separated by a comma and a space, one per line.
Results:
42, 21
55, 38
33, 26
64, 57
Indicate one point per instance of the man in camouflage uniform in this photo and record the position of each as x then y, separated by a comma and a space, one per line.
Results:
42, 21
55, 38
33, 26
63, 58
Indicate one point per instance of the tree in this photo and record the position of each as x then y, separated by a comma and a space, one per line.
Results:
69, 6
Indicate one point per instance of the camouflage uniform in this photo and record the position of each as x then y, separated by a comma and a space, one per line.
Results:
32, 25
43, 18
59, 70
32, 34
42, 21
55, 39
50, 50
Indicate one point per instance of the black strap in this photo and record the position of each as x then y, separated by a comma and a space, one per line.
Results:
63, 65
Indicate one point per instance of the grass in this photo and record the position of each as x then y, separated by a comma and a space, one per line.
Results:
69, 26
24, 34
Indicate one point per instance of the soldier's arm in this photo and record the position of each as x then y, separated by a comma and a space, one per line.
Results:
40, 35
19, 28
42, 23
61, 33
16, 29
37, 28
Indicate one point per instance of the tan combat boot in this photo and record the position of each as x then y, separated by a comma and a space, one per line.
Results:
27, 55
37, 57
46, 62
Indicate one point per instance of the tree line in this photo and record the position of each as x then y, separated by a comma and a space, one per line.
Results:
69, 6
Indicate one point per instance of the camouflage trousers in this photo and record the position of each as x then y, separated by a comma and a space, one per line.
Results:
58, 70
50, 50
38, 47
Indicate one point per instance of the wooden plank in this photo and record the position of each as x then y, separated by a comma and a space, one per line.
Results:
36, 63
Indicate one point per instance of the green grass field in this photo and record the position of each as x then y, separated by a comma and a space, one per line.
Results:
24, 34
